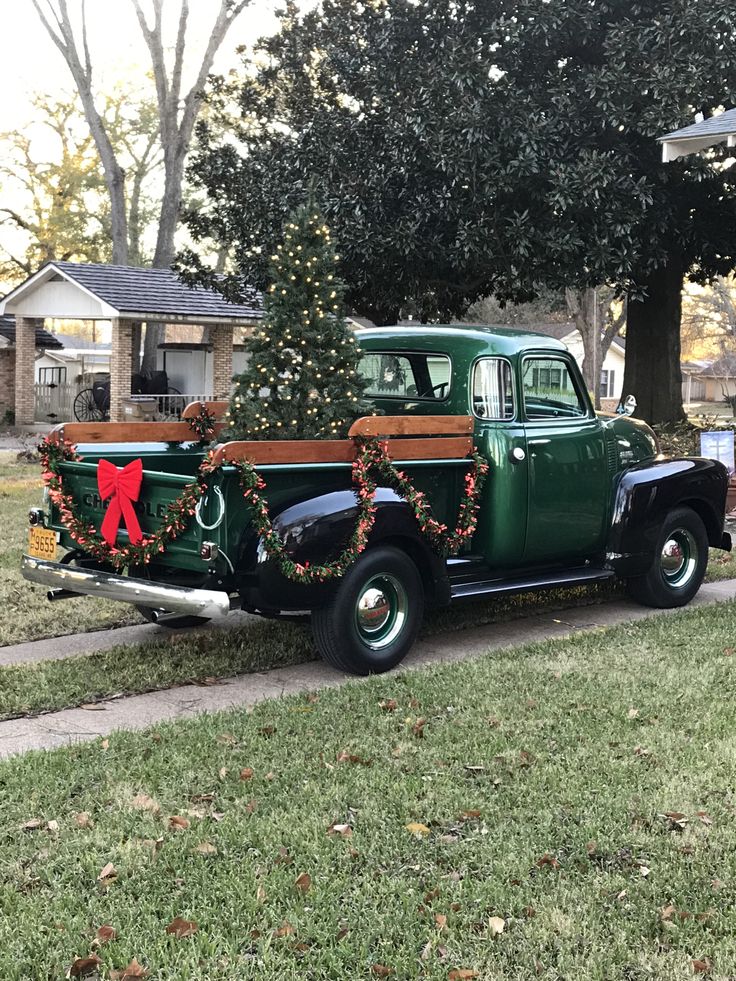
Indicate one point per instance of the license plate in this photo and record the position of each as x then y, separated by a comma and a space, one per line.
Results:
42, 543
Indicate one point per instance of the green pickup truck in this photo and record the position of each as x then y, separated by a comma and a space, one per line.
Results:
571, 497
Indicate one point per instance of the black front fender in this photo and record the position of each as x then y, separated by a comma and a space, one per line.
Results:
644, 495
316, 531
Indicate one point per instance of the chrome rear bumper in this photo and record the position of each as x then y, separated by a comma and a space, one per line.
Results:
141, 592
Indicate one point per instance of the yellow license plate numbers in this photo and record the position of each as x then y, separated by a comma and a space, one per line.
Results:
42, 543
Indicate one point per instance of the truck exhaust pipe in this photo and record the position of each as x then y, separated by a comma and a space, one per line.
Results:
61, 594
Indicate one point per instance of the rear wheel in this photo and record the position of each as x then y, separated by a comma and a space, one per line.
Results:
681, 556
371, 621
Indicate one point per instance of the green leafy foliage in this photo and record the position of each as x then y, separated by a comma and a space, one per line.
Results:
302, 378
462, 150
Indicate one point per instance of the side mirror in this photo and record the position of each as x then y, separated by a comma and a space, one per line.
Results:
627, 406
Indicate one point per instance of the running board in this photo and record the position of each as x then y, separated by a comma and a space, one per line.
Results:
548, 580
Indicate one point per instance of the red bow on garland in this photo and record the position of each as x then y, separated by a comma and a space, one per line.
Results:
123, 486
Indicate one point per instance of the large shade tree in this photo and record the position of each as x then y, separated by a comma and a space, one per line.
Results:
178, 106
461, 149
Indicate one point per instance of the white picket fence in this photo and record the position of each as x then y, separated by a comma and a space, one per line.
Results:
55, 402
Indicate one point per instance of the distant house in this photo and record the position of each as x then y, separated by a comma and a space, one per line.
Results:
710, 381
612, 370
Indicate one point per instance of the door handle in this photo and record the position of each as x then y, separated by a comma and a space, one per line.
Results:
517, 455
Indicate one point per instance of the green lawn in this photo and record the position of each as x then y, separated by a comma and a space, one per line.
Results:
27, 614
577, 796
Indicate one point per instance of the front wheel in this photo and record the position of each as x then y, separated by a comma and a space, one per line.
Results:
372, 619
680, 558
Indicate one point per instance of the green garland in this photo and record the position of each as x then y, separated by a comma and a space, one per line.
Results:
178, 513
372, 457
203, 424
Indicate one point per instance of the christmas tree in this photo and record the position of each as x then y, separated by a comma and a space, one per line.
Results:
302, 379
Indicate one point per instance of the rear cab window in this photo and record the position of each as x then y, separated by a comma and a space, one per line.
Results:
406, 375
549, 389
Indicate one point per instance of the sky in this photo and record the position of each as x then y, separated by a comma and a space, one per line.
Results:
31, 63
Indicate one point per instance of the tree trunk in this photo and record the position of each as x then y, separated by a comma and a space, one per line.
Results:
652, 373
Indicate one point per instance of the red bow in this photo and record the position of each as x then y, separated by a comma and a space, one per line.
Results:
123, 486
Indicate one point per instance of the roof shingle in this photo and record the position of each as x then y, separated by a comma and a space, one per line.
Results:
44, 339
130, 289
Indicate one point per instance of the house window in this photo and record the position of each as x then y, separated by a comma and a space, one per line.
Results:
608, 382
52, 376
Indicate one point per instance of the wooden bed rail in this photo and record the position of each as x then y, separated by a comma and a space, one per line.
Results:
339, 450
420, 437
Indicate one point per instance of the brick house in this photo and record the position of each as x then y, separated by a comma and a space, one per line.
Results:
43, 341
129, 298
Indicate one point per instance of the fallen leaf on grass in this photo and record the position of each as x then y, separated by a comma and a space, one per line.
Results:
344, 830
246, 773
142, 802
381, 971
677, 821
206, 848
388, 704
83, 966
462, 974
226, 739
496, 925
33, 825
52, 825
283, 857
108, 873
105, 744
440, 921
548, 859
133, 970
261, 894
415, 828
93, 707
418, 728
83, 820
303, 882
177, 823
633, 713
644, 870
105, 934
181, 928
704, 817
467, 815
345, 756
702, 965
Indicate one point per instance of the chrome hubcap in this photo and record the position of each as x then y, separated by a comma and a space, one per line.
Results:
380, 612
679, 557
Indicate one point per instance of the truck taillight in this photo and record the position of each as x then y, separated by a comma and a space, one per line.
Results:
209, 551
36, 516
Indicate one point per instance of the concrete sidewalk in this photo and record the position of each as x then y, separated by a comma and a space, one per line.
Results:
140, 711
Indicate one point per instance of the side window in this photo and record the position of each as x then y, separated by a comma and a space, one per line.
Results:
493, 395
549, 390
